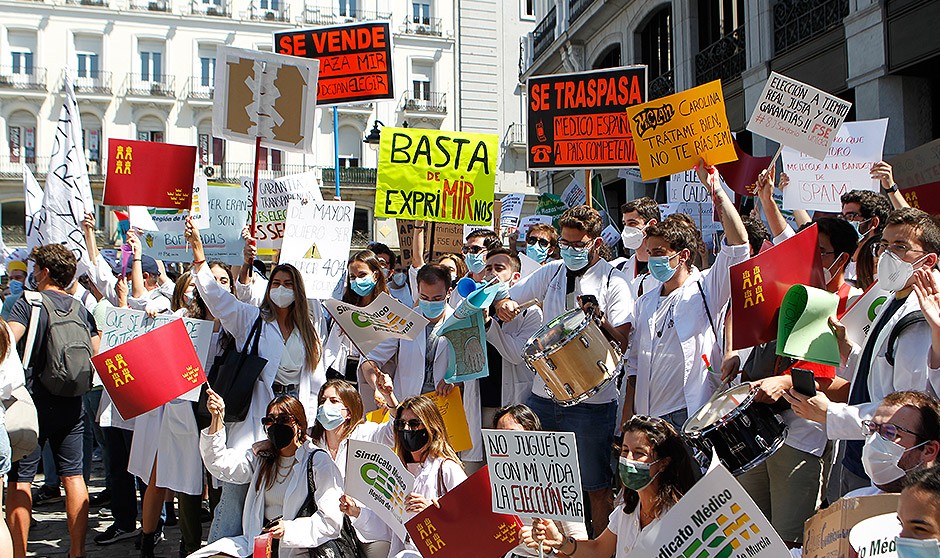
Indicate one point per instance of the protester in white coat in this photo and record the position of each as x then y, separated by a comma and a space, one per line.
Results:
12, 378
277, 480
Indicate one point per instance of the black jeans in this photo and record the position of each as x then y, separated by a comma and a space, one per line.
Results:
123, 484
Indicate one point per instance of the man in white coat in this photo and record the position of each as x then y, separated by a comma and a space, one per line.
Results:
638, 215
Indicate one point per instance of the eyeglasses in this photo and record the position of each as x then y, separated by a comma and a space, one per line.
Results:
898, 249
473, 249
412, 424
580, 245
888, 431
853, 216
533, 240
281, 418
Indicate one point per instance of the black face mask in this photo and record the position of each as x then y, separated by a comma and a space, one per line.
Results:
414, 440
280, 435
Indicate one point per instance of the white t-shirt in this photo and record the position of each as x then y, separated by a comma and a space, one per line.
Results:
274, 496
292, 360
627, 528
666, 359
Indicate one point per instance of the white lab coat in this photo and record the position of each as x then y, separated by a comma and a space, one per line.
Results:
510, 339
430, 474
693, 328
169, 435
645, 280
240, 467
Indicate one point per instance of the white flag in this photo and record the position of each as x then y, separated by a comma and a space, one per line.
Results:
33, 195
67, 196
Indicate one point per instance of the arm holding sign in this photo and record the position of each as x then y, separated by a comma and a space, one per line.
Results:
224, 463
99, 271
765, 192
138, 290
417, 244
546, 530
882, 172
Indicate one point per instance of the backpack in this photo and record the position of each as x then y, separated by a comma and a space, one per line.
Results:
68, 371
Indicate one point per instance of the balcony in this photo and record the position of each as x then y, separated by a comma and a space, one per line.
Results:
274, 15
427, 26
332, 15
152, 88
39, 166
22, 80
435, 103
576, 8
544, 34
515, 137
212, 8
95, 83
95, 3
664, 84
724, 59
150, 5
798, 21
350, 175
198, 92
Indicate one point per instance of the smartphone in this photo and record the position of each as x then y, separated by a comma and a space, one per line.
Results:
804, 381
272, 522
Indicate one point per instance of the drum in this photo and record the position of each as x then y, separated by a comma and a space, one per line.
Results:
742, 432
573, 357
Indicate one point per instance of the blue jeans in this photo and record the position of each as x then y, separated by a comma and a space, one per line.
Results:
677, 418
227, 520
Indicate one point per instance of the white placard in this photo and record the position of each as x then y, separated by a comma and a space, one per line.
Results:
610, 235
685, 187
317, 236
529, 221
384, 318
510, 210
575, 194
702, 213
874, 537
273, 196
859, 317
376, 477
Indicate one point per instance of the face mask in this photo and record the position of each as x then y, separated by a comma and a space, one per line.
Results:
635, 475
280, 435
880, 459
187, 298
475, 262
827, 273
330, 416
857, 225
536, 252
660, 269
576, 258
893, 272
916, 548
414, 440
631, 237
16, 287
453, 277
398, 278
363, 285
282, 297
432, 309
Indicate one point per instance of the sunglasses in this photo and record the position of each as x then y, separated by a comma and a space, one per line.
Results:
412, 424
888, 431
533, 240
282, 418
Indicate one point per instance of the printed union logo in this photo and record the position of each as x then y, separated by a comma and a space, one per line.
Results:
652, 118
360, 320
386, 485
873, 309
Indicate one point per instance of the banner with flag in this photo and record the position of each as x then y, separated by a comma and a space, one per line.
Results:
33, 196
741, 175
137, 382
149, 173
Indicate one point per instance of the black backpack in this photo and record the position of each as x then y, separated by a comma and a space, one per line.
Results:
68, 371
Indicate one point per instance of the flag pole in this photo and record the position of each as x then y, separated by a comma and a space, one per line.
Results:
254, 194
336, 150
588, 194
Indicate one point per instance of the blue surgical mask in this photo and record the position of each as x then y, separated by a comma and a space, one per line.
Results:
432, 308
476, 262
536, 252
362, 286
576, 258
398, 278
330, 416
660, 269
16, 286
916, 548
856, 225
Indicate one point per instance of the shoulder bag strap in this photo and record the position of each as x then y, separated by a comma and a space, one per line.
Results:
309, 507
35, 301
254, 336
902, 324
707, 311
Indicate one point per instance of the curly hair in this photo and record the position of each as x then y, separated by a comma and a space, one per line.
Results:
677, 477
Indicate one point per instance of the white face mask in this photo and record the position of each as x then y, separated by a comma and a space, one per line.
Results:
632, 237
893, 272
827, 272
282, 297
880, 459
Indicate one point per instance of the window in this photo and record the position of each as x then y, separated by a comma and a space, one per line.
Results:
91, 137
609, 59
22, 46
421, 74
207, 72
656, 43
274, 5
350, 146
270, 159
717, 18
87, 56
87, 65
421, 13
21, 137
150, 128
151, 60
22, 63
209, 150
14, 219
347, 8
527, 9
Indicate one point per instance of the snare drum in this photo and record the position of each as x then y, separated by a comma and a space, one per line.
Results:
573, 357
743, 433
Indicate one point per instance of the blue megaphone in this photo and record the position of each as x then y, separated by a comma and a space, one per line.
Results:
465, 286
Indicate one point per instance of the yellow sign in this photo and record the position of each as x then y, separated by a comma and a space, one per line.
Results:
455, 419
430, 175
671, 133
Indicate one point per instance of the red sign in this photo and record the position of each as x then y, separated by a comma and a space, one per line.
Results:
137, 382
151, 174
924, 197
355, 60
741, 175
759, 284
465, 520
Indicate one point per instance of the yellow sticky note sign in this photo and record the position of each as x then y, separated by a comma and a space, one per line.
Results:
671, 133
455, 419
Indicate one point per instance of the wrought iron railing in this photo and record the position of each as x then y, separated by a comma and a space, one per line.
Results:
515, 135
215, 8
97, 3
432, 102
423, 26
576, 8
196, 88
281, 13
12, 167
332, 15
152, 85
798, 21
150, 5
664, 84
27, 79
724, 59
95, 83
544, 34
350, 175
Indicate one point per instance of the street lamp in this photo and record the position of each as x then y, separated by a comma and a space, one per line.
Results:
374, 136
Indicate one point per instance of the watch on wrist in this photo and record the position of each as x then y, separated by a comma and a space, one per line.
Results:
893, 188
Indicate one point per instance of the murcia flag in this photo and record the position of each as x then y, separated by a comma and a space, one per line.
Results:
150, 174
138, 382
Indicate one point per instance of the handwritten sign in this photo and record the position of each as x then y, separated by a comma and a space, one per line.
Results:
578, 120
355, 60
510, 210
316, 241
917, 173
534, 474
442, 238
376, 477
123, 324
819, 185
273, 196
433, 175
673, 132
384, 318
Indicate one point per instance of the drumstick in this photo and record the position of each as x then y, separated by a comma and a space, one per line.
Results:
527, 304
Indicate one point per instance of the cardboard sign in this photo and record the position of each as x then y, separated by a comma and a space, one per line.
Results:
383, 318
376, 477
316, 241
441, 532
137, 382
453, 413
803, 331
510, 210
820, 185
579, 120
355, 60
759, 284
673, 132
826, 534
228, 207
715, 519
534, 474
149, 173
260, 94
123, 324
798, 116
273, 196
432, 175
875, 537
263, 546
859, 317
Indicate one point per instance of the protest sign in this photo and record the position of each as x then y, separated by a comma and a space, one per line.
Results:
702, 213
376, 477
355, 60
123, 324
575, 194
798, 116
174, 220
383, 318
611, 235
859, 317
875, 536
803, 331
632, 173
917, 173
494, 226
534, 474
759, 284
316, 241
273, 195
715, 519
510, 210
265, 95
263, 546
452, 411
228, 209
685, 187
673, 132
819, 185
137, 382
441, 531
439, 239
466, 336
827, 533
149, 173
434, 175
528, 222
578, 120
